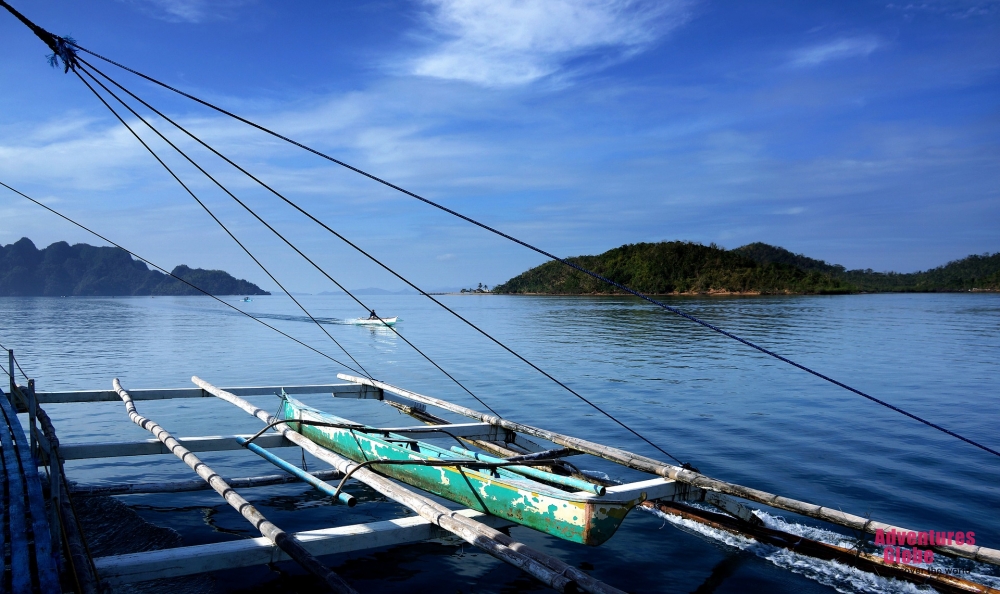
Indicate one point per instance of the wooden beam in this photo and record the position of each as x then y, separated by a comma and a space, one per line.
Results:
211, 443
274, 534
548, 570
168, 393
658, 488
180, 561
691, 477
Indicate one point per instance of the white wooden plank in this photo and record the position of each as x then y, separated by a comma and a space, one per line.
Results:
135, 567
657, 488
167, 393
210, 443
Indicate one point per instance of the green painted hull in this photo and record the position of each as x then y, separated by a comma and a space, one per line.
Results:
572, 516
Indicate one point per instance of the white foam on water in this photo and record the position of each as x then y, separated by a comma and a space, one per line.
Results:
842, 578
977, 572
599, 475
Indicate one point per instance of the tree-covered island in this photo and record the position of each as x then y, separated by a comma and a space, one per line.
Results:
678, 268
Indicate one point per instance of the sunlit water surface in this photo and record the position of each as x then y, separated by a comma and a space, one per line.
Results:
732, 412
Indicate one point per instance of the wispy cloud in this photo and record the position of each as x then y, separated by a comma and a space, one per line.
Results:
189, 11
515, 42
954, 8
837, 49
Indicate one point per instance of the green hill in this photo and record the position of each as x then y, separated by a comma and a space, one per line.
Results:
974, 272
677, 267
671, 268
81, 269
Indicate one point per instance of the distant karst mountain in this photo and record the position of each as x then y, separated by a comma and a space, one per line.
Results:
85, 270
676, 267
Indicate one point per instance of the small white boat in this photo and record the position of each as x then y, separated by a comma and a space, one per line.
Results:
375, 322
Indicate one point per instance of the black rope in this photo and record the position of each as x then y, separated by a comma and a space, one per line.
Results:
458, 464
55, 43
74, 44
170, 274
216, 219
18, 364
421, 291
5, 348
352, 427
547, 254
258, 217
62, 47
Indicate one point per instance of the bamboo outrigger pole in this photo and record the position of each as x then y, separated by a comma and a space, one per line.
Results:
279, 537
549, 570
683, 475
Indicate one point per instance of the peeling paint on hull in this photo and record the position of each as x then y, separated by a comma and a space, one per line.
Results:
583, 519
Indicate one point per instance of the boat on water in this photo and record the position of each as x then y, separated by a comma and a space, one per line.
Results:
247, 300
580, 512
375, 321
499, 491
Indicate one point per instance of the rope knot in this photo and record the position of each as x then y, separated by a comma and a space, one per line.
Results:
62, 50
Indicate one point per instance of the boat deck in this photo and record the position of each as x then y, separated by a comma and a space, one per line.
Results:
29, 557
44, 550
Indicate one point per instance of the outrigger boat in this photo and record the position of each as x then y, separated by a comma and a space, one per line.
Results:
581, 511
375, 321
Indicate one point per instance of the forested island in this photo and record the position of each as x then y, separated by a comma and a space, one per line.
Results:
85, 270
677, 267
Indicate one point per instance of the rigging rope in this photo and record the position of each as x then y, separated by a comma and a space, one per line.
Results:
70, 58
258, 217
18, 364
220, 223
391, 271
545, 253
170, 274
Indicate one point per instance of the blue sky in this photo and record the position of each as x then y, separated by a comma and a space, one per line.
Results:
863, 133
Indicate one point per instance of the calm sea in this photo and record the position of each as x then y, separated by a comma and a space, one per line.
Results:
732, 412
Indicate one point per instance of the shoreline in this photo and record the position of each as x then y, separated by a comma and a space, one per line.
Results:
736, 293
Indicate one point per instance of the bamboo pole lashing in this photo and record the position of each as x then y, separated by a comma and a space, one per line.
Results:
643, 463
536, 564
278, 536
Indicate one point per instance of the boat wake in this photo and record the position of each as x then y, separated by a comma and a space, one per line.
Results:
288, 318
842, 578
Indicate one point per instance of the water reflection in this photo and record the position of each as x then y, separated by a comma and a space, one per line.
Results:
731, 411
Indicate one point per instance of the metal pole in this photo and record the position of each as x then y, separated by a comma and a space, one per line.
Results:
32, 403
10, 370
344, 498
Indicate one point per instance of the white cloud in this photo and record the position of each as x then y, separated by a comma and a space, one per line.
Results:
837, 49
189, 11
954, 8
514, 42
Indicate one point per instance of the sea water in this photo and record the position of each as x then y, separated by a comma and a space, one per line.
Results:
734, 413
